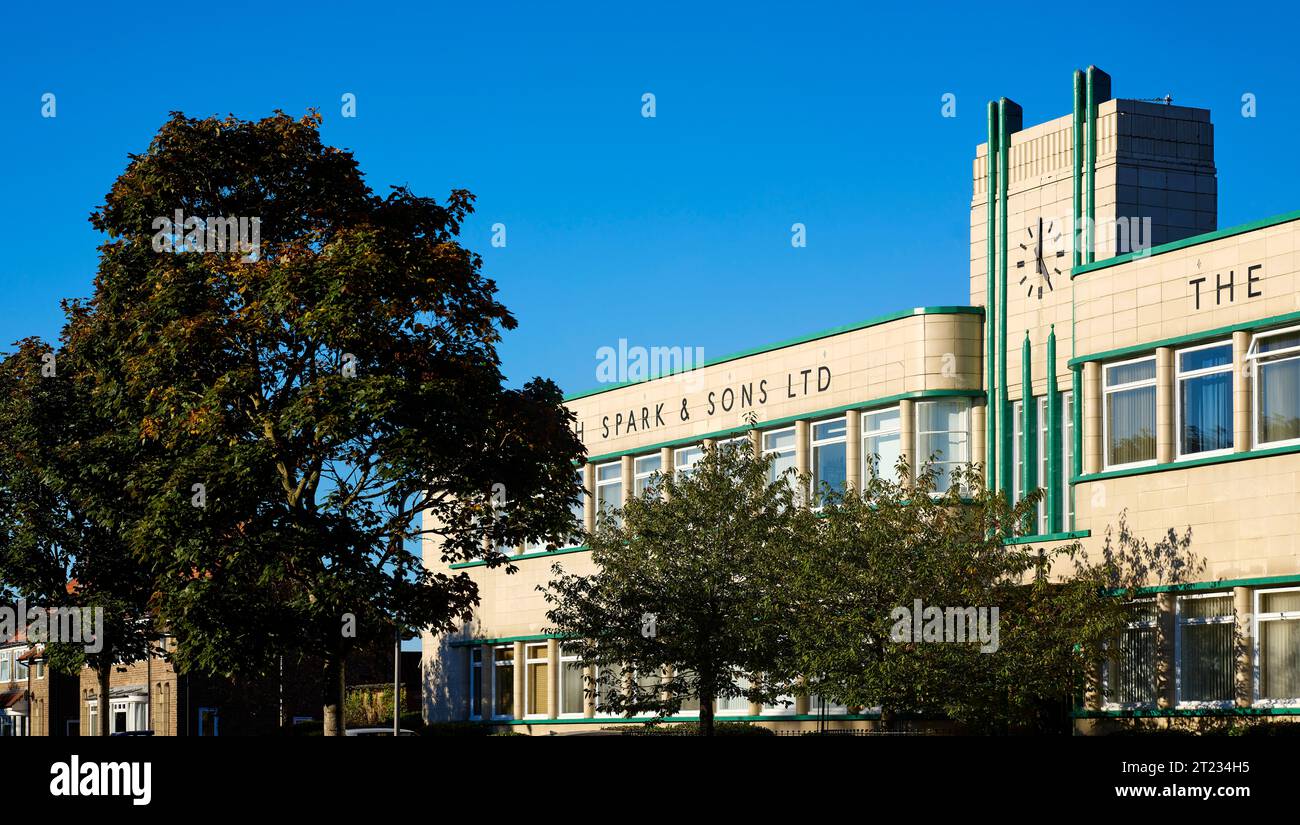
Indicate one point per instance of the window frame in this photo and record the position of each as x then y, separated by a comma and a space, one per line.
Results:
920, 456
475, 682
496, 669
610, 482
780, 452
638, 475
529, 711
564, 660
687, 467
879, 432
814, 486
1179, 623
1179, 377
1258, 360
1106, 390
1106, 675
1256, 664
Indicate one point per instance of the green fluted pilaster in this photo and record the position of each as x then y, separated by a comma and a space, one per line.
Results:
1053, 480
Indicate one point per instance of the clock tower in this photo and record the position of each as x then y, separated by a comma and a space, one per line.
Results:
1114, 177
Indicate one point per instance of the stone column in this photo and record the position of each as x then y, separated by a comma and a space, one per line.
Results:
802, 456
1241, 389
978, 444
853, 448
588, 683
625, 464
1165, 618
1243, 610
589, 502
520, 706
553, 666
907, 438
1165, 424
1092, 415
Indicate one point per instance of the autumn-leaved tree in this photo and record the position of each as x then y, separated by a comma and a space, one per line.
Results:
307, 403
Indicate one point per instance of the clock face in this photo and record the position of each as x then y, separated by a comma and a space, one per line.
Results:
1041, 258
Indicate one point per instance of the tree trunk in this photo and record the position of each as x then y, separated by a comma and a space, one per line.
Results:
706, 715
334, 691
105, 674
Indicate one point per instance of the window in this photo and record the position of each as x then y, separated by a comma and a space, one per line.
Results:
1129, 673
943, 435
685, 459
643, 473
5, 673
537, 680
1203, 649
1277, 646
609, 684
1204, 399
1042, 477
209, 721
1276, 356
819, 705
578, 510
780, 444
571, 686
1130, 419
503, 681
735, 705
829, 458
476, 682
1040, 451
881, 443
609, 490
739, 442
1067, 456
20, 666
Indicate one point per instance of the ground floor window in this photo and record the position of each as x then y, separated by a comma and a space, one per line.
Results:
209, 721
943, 437
1277, 646
503, 681
1204, 649
1129, 671
572, 691
476, 683
537, 676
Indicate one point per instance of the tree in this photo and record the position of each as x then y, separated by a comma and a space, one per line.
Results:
676, 611
895, 547
300, 402
56, 551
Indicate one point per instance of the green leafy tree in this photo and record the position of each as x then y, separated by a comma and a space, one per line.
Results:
675, 613
305, 406
56, 550
895, 546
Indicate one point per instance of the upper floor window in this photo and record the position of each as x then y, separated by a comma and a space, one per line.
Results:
780, 445
5, 673
643, 472
609, 489
685, 459
1276, 357
1130, 419
1067, 456
1204, 399
943, 437
829, 457
881, 443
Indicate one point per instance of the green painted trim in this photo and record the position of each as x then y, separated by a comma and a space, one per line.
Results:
1218, 584
506, 640
872, 322
1155, 713
1053, 480
990, 297
1004, 405
1077, 159
1065, 535
541, 554
1267, 452
1028, 421
781, 422
1091, 170
1189, 338
622, 720
1195, 240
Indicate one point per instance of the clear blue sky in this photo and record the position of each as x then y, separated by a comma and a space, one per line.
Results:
666, 231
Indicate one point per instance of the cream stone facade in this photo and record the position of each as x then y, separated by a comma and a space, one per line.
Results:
1160, 359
